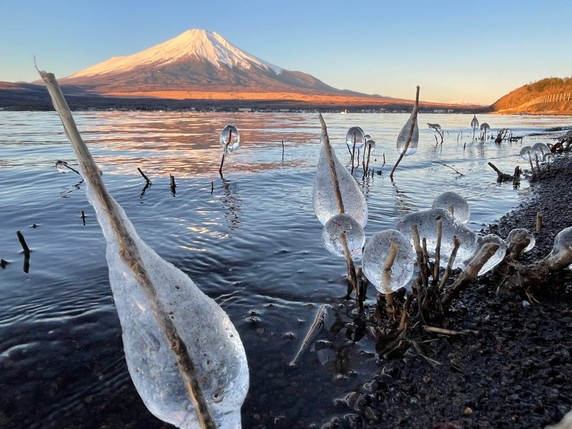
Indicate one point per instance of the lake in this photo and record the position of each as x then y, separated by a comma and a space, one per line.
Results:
250, 241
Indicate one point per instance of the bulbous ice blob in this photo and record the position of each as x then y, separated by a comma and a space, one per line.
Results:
485, 127
355, 135
324, 197
369, 143
355, 236
230, 139
526, 153
497, 257
460, 208
511, 235
375, 255
402, 138
474, 122
426, 222
549, 158
541, 149
561, 255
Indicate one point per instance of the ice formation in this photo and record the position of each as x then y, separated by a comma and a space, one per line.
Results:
526, 153
561, 255
460, 207
355, 135
324, 196
426, 222
549, 158
150, 292
355, 236
370, 144
510, 238
375, 255
497, 257
229, 139
404, 134
540, 149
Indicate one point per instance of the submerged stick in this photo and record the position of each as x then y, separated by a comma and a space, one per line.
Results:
129, 254
320, 321
144, 176
413, 121
457, 244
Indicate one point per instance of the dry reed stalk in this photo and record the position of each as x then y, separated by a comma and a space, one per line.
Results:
129, 254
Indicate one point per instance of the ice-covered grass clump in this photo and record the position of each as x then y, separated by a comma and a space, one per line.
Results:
426, 222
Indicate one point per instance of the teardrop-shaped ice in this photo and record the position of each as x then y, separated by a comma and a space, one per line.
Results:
561, 255
355, 135
460, 208
474, 122
230, 139
426, 222
355, 236
210, 336
404, 134
548, 158
526, 153
497, 257
370, 144
529, 235
375, 256
150, 292
324, 196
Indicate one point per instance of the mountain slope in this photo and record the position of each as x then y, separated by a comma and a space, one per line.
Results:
196, 64
547, 96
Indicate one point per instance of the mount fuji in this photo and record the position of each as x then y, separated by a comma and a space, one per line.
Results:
201, 64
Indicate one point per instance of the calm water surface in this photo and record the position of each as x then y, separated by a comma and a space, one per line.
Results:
251, 242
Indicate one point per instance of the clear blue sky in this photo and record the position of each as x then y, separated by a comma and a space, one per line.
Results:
455, 50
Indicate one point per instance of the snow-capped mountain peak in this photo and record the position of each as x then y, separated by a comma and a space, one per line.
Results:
203, 44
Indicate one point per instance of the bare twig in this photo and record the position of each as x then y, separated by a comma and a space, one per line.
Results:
448, 331
144, 176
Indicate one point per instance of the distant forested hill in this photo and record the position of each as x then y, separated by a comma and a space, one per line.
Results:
547, 96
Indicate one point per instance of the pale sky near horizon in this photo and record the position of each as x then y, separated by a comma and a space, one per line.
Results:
455, 50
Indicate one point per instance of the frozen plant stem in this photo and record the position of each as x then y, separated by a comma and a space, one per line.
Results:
129, 254
386, 279
438, 251
456, 244
352, 278
413, 122
469, 273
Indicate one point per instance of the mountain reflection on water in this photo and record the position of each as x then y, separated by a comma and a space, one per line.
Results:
250, 241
